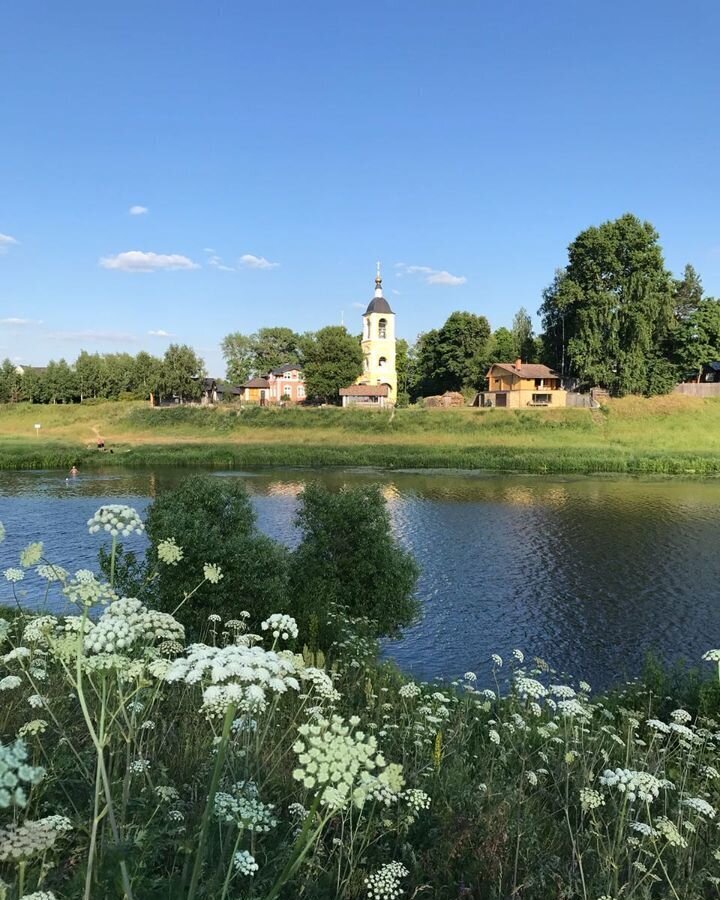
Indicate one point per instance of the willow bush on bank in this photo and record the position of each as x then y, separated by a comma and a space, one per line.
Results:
243, 766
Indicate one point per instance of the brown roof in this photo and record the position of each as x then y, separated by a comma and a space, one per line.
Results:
257, 383
365, 390
526, 370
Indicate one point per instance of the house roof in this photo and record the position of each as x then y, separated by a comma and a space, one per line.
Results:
526, 370
378, 305
287, 367
256, 383
365, 390
715, 366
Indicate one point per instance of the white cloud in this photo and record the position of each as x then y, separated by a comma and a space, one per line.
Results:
12, 320
160, 332
142, 261
395, 291
138, 210
359, 305
6, 242
431, 276
256, 262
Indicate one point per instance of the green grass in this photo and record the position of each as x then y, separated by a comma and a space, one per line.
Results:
668, 435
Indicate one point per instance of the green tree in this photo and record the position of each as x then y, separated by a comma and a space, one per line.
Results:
348, 558
523, 338
273, 347
89, 373
699, 338
402, 367
608, 315
147, 376
502, 346
10, 383
238, 353
453, 357
688, 294
333, 359
212, 519
181, 372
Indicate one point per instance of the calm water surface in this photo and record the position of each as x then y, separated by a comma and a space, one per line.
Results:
589, 574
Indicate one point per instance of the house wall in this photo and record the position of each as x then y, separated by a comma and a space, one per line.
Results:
279, 386
521, 399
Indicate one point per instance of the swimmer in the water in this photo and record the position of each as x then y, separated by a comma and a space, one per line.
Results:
74, 471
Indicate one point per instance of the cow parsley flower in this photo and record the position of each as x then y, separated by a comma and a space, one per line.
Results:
244, 863
39, 895
39, 630
494, 736
321, 682
470, 676
238, 808
51, 572
410, 690
212, 573
281, 626
634, 784
35, 726
385, 883
530, 687
10, 682
712, 656
497, 660
13, 575
416, 799
591, 799
33, 837
681, 715
169, 552
31, 555
519, 656
658, 725
85, 590
117, 520
332, 760
700, 806
668, 830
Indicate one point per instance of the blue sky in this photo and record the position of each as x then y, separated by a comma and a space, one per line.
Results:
280, 148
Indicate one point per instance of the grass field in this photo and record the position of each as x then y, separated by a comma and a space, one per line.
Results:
670, 435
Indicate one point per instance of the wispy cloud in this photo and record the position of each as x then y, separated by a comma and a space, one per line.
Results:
6, 242
120, 337
142, 261
256, 262
138, 210
20, 323
216, 262
359, 305
431, 276
160, 332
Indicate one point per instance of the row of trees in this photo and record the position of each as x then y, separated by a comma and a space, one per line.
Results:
109, 376
614, 317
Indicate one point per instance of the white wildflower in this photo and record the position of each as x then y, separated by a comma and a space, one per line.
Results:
281, 626
385, 883
212, 573
116, 519
31, 555
13, 575
169, 552
10, 682
244, 863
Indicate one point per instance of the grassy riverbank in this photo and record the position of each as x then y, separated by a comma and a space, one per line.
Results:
666, 435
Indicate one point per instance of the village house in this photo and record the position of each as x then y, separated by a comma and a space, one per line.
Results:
516, 385
286, 384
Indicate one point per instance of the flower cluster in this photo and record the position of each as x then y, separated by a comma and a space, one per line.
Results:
15, 773
31, 555
238, 675
336, 762
117, 520
281, 626
410, 690
127, 622
322, 683
244, 863
385, 883
212, 573
635, 785
52, 572
84, 589
13, 575
33, 837
700, 806
591, 799
240, 808
169, 552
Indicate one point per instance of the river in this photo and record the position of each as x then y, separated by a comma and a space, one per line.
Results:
588, 573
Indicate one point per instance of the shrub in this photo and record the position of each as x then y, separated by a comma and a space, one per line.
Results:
213, 521
349, 558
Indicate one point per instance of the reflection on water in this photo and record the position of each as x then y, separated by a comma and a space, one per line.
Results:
589, 574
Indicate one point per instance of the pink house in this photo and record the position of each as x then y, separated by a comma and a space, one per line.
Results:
286, 384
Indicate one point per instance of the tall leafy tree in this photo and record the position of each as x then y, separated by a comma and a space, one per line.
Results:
238, 353
273, 347
688, 294
453, 357
182, 370
699, 338
523, 337
607, 316
333, 359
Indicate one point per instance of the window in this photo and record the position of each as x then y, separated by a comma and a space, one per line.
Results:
301, 391
382, 328
541, 399
287, 375
539, 383
382, 362
287, 391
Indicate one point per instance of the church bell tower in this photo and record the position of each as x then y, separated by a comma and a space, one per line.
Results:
378, 342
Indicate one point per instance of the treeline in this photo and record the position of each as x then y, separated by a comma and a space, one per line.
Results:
614, 316
106, 376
